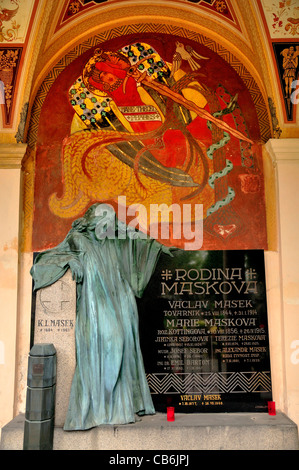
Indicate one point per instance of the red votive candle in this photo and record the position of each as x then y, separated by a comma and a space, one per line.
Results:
170, 413
271, 408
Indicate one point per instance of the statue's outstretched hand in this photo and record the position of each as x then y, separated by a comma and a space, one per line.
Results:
76, 269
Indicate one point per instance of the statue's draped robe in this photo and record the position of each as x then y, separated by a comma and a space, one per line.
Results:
109, 384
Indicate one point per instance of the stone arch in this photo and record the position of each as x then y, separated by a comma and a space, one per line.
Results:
250, 82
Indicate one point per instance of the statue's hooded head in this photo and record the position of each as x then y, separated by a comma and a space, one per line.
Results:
100, 218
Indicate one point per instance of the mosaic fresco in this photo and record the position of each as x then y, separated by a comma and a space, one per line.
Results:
153, 119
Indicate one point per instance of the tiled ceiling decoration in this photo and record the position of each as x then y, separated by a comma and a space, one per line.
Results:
282, 18
73, 8
16, 18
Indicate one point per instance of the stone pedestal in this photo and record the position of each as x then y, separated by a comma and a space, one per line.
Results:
223, 431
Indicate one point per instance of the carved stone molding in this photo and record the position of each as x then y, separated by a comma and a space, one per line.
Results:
283, 149
11, 155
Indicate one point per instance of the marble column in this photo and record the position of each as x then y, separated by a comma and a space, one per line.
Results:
284, 296
10, 180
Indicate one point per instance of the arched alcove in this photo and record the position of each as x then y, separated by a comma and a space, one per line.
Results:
241, 56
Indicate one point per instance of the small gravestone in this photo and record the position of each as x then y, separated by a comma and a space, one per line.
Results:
55, 316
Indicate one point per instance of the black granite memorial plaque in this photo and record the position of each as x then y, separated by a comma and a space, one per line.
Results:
204, 332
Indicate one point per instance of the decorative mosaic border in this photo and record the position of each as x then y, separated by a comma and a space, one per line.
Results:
210, 382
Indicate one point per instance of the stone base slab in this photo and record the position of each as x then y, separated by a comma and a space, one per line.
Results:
223, 431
